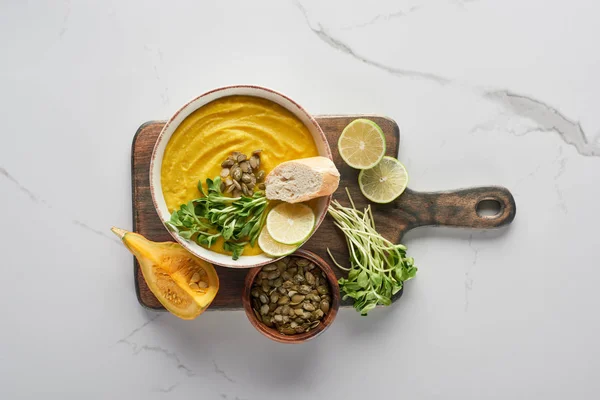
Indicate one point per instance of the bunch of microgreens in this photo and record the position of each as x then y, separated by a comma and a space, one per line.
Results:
377, 266
238, 220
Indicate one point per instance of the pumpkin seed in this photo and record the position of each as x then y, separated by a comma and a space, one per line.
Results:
268, 268
245, 190
310, 278
304, 289
260, 175
278, 318
318, 314
283, 300
257, 152
324, 306
202, 285
297, 298
308, 307
287, 331
274, 298
263, 298
224, 172
241, 157
194, 286
313, 297
229, 189
278, 282
322, 289
195, 277
262, 186
302, 262
274, 275
236, 173
254, 162
222, 187
264, 310
245, 166
237, 193
255, 293
227, 163
250, 185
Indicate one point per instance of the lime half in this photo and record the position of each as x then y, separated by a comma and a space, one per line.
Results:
362, 144
271, 247
290, 223
384, 182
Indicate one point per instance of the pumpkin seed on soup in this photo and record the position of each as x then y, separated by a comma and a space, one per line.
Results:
240, 174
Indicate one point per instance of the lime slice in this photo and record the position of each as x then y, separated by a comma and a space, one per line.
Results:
273, 248
290, 223
383, 183
362, 144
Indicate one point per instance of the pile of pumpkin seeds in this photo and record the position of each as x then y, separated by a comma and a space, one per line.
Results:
291, 295
241, 175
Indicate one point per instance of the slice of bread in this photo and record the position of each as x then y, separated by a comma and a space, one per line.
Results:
301, 180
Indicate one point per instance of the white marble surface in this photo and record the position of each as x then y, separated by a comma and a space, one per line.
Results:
485, 92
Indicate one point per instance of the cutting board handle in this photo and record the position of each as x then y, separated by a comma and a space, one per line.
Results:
457, 208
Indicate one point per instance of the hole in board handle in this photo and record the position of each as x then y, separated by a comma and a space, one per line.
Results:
489, 208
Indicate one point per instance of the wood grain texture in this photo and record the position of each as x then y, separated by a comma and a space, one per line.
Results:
412, 209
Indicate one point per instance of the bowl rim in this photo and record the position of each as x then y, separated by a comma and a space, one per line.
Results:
317, 129
301, 337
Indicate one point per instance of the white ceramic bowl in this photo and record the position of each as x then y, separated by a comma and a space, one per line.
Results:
173, 123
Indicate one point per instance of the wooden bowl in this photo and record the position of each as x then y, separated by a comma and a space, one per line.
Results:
300, 337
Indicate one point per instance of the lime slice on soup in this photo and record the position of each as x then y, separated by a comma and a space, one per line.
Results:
273, 248
290, 223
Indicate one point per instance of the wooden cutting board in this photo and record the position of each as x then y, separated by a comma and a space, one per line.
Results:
410, 210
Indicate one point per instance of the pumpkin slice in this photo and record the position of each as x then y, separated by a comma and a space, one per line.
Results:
183, 283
